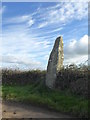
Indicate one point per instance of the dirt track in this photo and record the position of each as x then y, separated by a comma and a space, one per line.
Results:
17, 110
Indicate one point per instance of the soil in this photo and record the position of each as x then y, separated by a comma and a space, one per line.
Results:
19, 110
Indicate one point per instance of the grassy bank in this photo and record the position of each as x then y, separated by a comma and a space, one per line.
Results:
42, 96
73, 79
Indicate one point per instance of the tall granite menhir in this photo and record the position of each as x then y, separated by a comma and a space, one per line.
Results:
55, 62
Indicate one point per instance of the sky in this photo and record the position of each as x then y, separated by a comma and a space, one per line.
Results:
29, 30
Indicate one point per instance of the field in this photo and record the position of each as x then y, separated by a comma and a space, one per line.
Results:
34, 92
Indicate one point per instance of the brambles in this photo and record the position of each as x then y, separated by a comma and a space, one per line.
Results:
74, 80
16, 77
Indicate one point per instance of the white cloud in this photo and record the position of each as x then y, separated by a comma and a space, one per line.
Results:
76, 51
30, 22
58, 14
63, 12
17, 19
14, 59
41, 25
24, 42
84, 41
58, 29
77, 59
21, 47
20, 19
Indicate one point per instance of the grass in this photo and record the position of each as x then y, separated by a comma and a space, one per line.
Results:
42, 96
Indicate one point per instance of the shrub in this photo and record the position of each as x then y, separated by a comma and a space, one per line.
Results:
73, 79
16, 77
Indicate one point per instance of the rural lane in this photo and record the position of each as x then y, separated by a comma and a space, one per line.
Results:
18, 110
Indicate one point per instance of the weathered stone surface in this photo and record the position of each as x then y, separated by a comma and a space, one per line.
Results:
55, 62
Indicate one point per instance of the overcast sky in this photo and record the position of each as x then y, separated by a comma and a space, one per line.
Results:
29, 31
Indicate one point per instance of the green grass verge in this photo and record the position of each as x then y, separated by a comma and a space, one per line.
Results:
42, 96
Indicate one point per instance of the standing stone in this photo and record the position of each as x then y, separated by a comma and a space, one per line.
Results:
55, 62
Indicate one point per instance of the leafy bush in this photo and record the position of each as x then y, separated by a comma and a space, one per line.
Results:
73, 79
16, 77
